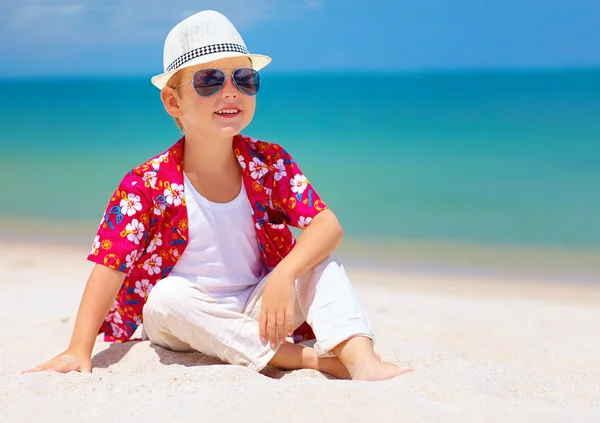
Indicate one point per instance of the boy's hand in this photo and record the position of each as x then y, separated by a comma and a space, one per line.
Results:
68, 361
276, 319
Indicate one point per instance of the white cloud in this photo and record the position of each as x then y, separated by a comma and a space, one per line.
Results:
314, 4
36, 11
115, 21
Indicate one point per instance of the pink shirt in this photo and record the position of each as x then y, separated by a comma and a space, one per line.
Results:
144, 230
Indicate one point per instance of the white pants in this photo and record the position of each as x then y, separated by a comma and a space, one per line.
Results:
182, 316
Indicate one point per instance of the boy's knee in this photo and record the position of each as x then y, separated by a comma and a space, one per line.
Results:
169, 293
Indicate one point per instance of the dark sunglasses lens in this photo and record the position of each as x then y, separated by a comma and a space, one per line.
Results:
208, 81
247, 80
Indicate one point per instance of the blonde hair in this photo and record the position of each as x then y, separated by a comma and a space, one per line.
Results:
174, 82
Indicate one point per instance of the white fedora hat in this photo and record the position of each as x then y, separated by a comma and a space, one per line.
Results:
202, 38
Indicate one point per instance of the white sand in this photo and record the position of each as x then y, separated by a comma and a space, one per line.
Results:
484, 351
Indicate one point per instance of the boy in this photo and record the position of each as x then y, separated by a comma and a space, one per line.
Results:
195, 242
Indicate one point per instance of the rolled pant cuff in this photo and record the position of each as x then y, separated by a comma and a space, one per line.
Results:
261, 362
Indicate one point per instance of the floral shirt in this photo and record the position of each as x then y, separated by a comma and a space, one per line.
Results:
144, 230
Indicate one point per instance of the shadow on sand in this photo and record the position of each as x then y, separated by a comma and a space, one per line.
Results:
116, 351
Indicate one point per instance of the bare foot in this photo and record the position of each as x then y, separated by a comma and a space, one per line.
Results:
292, 356
358, 356
378, 370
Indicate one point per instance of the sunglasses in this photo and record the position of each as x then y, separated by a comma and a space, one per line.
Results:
208, 82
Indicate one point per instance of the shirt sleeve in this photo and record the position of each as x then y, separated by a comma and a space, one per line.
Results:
124, 229
294, 195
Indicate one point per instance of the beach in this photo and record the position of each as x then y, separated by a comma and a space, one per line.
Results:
462, 163
484, 348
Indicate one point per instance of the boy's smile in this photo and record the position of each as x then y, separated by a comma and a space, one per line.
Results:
227, 111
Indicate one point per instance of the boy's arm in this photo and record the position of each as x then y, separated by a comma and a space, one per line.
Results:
302, 208
98, 297
319, 240
124, 233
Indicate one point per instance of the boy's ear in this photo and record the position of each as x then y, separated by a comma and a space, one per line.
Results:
170, 100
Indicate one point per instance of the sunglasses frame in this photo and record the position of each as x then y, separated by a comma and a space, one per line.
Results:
223, 84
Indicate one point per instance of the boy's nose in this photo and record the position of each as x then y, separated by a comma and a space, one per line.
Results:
229, 89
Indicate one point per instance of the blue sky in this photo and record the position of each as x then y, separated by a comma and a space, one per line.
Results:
126, 36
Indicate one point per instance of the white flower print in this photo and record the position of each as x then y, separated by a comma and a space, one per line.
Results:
150, 179
174, 194
158, 160
117, 318
137, 320
257, 168
113, 309
280, 170
242, 162
152, 265
131, 258
156, 242
298, 183
95, 246
135, 231
118, 332
130, 205
304, 221
143, 288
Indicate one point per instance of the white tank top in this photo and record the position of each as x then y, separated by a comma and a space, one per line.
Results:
222, 254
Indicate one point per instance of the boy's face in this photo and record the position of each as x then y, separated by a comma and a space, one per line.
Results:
199, 114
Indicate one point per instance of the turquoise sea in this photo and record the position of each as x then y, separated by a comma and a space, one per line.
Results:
496, 159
